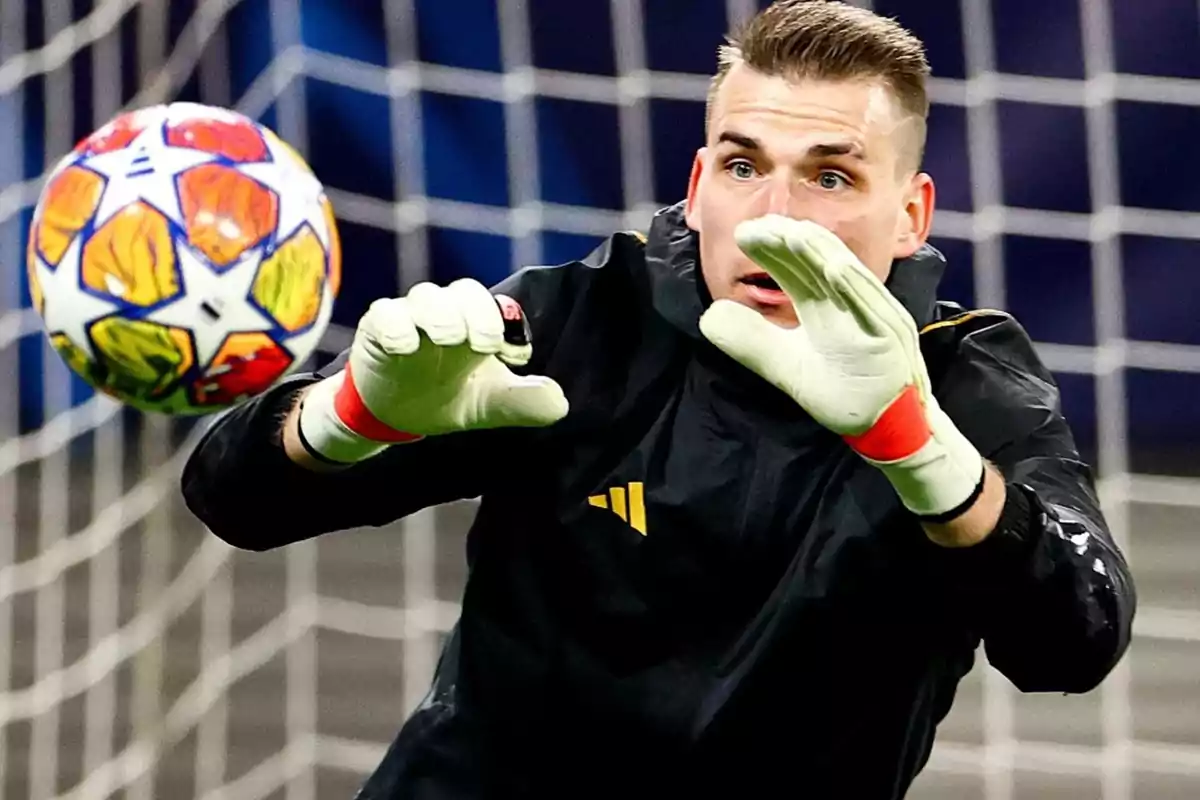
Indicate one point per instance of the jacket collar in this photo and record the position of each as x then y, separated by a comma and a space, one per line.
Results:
679, 294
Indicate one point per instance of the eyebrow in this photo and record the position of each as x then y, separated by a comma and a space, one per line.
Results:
741, 140
824, 150
852, 149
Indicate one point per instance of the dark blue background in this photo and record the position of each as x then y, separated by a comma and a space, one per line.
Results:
1042, 150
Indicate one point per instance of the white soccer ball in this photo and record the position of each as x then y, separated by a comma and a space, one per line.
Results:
183, 258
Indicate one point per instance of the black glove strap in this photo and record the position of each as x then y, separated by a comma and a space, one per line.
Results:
308, 448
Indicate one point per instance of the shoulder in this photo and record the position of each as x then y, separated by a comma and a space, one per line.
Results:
956, 334
615, 259
988, 376
580, 294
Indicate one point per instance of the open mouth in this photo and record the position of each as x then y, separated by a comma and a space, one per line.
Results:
762, 290
762, 281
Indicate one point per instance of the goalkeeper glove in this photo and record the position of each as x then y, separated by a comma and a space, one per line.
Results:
429, 363
854, 363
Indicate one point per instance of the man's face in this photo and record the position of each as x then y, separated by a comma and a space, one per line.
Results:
836, 153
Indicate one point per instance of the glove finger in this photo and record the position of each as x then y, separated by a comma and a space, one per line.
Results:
485, 327
756, 343
527, 402
901, 329
836, 267
865, 317
764, 241
437, 315
516, 347
847, 274
803, 274
871, 297
388, 327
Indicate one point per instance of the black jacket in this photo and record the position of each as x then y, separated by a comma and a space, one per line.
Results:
688, 588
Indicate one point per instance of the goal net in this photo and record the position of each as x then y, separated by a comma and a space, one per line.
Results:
141, 657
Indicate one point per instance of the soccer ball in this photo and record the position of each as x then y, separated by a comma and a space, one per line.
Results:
183, 258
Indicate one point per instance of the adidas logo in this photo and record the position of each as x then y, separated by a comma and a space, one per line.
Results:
627, 502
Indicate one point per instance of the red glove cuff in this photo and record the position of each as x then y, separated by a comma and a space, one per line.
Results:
354, 414
900, 431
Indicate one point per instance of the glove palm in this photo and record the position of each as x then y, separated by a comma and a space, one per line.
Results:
464, 381
856, 348
854, 363
435, 361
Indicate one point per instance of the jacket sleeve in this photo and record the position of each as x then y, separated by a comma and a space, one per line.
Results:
241, 484
1054, 593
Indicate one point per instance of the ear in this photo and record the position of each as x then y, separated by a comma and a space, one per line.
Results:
916, 218
690, 213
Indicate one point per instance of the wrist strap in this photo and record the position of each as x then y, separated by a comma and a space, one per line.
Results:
958, 510
934, 468
308, 447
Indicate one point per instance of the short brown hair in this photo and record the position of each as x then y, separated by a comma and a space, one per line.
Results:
829, 40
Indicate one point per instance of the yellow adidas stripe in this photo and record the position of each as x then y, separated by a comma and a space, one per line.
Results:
627, 502
961, 318
617, 496
637, 507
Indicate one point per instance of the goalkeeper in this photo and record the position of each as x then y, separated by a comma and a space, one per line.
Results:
751, 496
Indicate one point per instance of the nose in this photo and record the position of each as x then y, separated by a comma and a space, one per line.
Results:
778, 196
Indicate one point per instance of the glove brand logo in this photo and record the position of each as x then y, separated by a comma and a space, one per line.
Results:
628, 503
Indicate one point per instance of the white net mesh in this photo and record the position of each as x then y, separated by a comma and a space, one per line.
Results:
141, 657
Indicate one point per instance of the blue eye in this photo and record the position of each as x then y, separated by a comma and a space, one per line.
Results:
832, 180
741, 169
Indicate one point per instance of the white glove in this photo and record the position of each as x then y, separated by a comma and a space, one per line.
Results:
854, 363
428, 363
